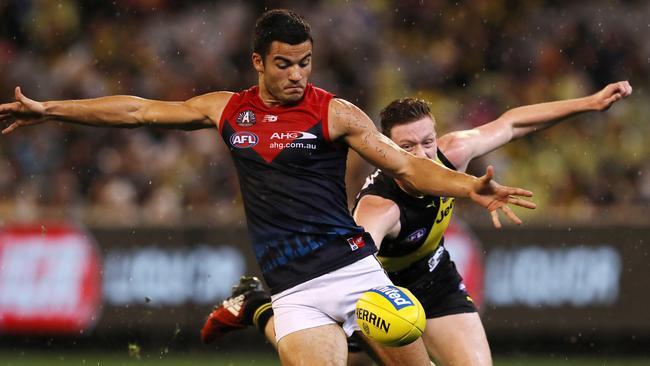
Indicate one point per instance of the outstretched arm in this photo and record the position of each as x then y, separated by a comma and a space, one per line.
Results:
417, 175
202, 111
462, 146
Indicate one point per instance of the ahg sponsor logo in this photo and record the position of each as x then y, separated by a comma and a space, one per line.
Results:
292, 135
244, 140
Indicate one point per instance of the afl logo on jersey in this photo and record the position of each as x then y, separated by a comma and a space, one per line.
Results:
246, 118
244, 140
416, 235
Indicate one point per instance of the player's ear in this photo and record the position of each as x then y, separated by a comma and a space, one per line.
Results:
258, 62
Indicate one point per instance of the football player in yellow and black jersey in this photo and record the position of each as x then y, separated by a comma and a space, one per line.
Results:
408, 227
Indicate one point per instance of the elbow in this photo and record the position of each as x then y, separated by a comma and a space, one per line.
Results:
138, 117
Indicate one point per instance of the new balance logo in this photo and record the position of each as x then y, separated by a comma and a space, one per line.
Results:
270, 118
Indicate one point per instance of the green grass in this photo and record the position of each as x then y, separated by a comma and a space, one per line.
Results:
569, 361
54, 358
104, 359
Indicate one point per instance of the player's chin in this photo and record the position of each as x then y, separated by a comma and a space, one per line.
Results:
294, 97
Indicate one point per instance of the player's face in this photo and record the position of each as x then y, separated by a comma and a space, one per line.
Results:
418, 137
284, 72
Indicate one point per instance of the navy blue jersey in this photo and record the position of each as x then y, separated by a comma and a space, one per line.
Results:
292, 179
423, 220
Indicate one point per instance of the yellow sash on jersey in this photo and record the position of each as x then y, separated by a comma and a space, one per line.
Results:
437, 230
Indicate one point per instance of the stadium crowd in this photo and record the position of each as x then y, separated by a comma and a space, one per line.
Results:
472, 61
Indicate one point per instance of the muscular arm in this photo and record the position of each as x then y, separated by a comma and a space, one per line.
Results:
418, 175
378, 216
202, 111
462, 146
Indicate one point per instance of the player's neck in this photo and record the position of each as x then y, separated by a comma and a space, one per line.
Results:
266, 97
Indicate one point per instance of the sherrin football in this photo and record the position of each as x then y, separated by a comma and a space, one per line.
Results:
390, 315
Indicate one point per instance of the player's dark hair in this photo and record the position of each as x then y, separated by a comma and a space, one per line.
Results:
403, 111
281, 25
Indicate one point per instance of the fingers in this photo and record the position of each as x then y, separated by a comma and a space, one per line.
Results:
8, 108
625, 89
518, 192
487, 177
613, 99
617, 91
495, 219
20, 97
29, 104
11, 127
489, 171
511, 215
521, 203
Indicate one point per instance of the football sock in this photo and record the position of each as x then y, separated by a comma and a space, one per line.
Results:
261, 316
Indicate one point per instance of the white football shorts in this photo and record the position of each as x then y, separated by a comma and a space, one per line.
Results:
328, 299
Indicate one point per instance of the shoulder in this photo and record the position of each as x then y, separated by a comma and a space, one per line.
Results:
212, 104
454, 139
341, 105
345, 118
378, 206
211, 99
457, 147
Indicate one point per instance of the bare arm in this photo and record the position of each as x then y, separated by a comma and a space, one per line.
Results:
418, 175
462, 146
202, 111
378, 216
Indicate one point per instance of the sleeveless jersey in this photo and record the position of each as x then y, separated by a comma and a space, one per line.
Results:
423, 220
292, 179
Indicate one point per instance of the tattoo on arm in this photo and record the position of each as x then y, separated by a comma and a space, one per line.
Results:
379, 149
381, 152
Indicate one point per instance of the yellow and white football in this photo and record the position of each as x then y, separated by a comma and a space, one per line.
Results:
390, 315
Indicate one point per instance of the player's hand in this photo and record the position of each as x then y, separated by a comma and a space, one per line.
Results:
495, 197
611, 94
22, 112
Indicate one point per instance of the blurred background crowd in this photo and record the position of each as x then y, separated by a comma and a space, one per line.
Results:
472, 61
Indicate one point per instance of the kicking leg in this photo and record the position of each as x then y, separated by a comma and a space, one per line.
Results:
321, 345
457, 339
411, 354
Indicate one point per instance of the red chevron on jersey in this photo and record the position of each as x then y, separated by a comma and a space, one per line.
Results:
249, 124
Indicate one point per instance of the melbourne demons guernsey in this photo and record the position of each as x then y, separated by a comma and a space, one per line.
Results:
292, 180
423, 221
